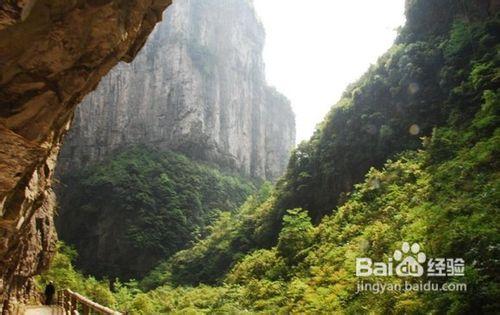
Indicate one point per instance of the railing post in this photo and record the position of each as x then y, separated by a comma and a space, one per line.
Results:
60, 299
73, 304
67, 304
85, 309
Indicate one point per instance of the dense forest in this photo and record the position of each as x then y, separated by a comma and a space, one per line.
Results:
410, 153
145, 206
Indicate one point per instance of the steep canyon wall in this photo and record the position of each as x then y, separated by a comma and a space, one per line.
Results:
197, 87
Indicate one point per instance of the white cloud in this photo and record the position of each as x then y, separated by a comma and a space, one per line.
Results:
315, 48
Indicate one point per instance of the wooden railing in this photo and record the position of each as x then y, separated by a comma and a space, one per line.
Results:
74, 303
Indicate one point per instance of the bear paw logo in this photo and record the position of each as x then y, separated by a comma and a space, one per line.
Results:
410, 266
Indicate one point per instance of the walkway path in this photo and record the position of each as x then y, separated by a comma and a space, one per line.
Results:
43, 310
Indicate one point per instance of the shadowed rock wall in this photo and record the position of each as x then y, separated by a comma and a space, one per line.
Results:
52, 53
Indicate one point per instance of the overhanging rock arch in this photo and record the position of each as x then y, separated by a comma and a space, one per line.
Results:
52, 53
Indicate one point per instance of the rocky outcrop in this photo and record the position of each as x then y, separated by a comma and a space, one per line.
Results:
52, 53
13, 12
197, 87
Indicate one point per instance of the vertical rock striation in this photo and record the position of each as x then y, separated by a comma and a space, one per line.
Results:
52, 53
197, 87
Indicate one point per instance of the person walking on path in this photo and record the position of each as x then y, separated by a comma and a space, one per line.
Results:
49, 293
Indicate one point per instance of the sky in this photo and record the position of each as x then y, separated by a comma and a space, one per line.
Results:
315, 48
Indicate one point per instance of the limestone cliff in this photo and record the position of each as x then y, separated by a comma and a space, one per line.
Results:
52, 53
198, 87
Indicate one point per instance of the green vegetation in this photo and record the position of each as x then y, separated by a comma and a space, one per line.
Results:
141, 206
232, 235
445, 196
64, 276
409, 154
124, 296
414, 88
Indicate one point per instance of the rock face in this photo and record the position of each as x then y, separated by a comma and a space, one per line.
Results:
52, 53
197, 87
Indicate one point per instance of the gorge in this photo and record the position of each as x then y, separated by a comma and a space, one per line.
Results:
408, 155
197, 88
